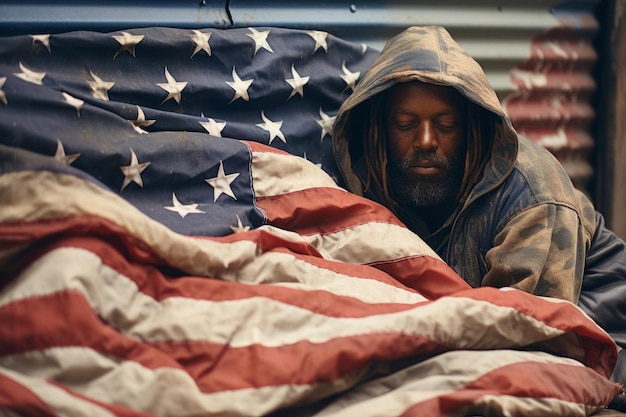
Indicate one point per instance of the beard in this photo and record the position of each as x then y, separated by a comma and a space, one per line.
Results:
427, 192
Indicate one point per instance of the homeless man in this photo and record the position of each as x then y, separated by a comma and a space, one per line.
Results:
425, 135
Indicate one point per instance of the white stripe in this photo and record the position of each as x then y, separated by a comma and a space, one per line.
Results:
163, 391
288, 174
58, 400
431, 378
524, 407
269, 268
455, 322
365, 243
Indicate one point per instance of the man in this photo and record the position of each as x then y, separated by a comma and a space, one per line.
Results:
425, 135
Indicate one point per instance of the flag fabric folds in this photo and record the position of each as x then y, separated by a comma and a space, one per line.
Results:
174, 242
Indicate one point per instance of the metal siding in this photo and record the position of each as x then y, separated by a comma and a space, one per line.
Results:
538, 55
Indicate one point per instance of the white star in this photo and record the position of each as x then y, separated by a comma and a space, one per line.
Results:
320, 39
213, 128
273, 128
74, 102
326, 123
128, 43
202, 42
349, 77
3, 97
132, 172
182, 209
296, 83
240, 87
221, 183
42, 39
260, 40
100, 88
30, 75
173, 87
60, 156
141, 122
240, 228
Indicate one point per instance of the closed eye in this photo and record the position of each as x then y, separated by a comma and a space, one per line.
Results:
446, 124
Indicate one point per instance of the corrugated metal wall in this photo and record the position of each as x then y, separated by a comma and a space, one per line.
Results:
538, 55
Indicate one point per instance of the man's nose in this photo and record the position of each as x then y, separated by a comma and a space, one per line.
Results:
425, 138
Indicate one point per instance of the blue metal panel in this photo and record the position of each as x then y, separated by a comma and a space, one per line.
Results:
19, 17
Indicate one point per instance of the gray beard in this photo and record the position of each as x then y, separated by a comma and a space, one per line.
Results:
427, 194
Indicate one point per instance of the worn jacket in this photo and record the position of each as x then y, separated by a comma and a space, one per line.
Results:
523, 224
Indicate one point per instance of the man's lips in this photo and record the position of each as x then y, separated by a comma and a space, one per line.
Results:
425, 168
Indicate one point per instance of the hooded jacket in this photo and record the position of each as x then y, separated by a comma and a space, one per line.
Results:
522, 223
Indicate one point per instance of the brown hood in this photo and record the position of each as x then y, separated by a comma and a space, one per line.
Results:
430, 55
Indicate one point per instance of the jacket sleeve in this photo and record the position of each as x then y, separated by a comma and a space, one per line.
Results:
541, 251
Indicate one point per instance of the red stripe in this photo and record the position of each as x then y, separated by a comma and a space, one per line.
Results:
322, 210
568, 383
260, 147
64, 320
20, 400
430, 276
218, 368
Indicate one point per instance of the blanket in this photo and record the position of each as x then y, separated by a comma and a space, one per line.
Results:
174, 242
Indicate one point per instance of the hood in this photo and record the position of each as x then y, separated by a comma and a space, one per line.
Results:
430, 55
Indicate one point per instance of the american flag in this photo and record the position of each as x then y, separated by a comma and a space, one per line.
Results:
173, 242
135, 109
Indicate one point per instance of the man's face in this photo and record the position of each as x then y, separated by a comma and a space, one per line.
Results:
425, 126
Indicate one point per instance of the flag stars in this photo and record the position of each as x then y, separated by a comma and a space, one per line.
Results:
201, 40
132, 172
213, 128
273, 128
174, 88
297, 83
326, 123
74, 102
3, 96
141, 122
240, 86
349, 77
100, 88
182, 209
260, 40
128, 43
320, 39
43, 40
60, 156
221, 183
30, 76
240, 228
